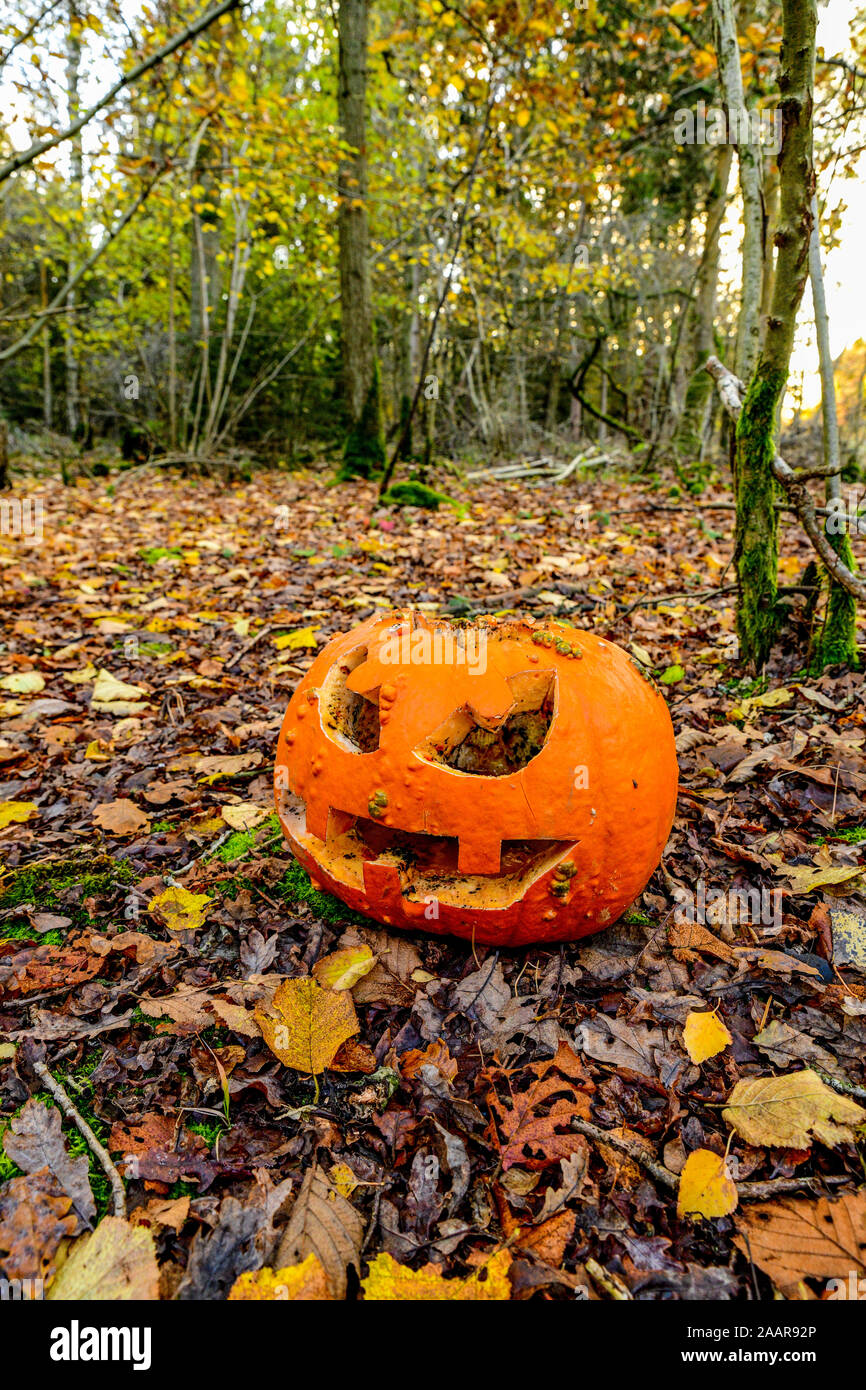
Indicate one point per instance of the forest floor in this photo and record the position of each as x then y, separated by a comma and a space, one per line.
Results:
517, 1121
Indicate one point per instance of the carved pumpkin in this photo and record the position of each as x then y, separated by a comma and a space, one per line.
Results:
505, 781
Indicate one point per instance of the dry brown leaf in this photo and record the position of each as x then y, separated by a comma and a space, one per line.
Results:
390, 980
121, 817
539, 1118
324, 1224
798, 1238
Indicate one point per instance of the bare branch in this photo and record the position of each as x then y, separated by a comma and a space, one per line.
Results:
18, 161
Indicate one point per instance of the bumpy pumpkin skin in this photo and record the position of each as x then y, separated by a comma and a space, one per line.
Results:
601, 791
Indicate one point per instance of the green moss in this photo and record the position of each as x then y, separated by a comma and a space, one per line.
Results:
210, 1130
364, 453
414, 494
150, 554
835, 642
45, 885
241, 843
295, 887
757, 543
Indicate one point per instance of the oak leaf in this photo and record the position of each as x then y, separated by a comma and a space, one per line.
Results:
539, 1118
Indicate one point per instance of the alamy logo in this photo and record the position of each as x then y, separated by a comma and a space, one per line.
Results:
738, 906
76, 1343
22, 516
712, 125
21, 1290
436, 647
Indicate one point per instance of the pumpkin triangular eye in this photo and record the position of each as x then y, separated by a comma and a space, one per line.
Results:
486, 748
351, 720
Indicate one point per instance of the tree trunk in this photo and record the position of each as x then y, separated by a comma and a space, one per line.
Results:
748, 158
364, 454
837, 642
756, 551
689, 437
73, 74
47, 403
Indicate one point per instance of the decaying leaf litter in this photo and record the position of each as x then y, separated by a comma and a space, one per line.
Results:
301, 1104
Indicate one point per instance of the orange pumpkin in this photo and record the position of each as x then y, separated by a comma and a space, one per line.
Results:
505, 781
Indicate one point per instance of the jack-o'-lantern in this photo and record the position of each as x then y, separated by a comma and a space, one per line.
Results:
503, 780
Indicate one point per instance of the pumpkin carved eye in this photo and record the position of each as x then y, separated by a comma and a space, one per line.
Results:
349, 719
489, 748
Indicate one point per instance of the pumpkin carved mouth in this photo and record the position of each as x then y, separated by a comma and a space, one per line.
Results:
360, 853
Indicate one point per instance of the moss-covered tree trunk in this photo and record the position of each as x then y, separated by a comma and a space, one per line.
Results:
364, 453
835, 643
756, 552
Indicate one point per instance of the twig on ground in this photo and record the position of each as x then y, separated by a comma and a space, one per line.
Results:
238, 656
746, 1191
100, 1153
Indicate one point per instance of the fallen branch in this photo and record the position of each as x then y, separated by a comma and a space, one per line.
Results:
731, 390
746, 1191
118, 1192
238, 656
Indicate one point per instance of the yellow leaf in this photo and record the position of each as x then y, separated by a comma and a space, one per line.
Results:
780, 696
16, 811
522, 118
389, 1281
805, 879
294, 1284
704, 1035
245, 816
107, 688
82, 677
116, 1262
342, 1178
180, 909
789, 1112
23, 683
295, 641
345, 968
241, 627
705, 1188
98, 751
307, 1025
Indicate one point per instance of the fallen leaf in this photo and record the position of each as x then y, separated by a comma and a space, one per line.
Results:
296, 641
324, 1224
120, 817
116, 1263
23, 683
299, 1283
790, 1111
705, 1187
244, 816
306, 1024
798, 1238
180, 909
705, 1035
806, 879
34, 1140
343, 969
387, 1280
35, 1216
18, 811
